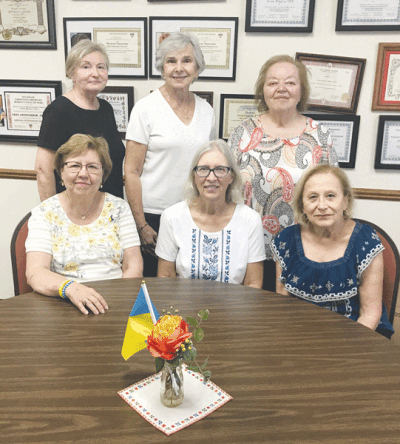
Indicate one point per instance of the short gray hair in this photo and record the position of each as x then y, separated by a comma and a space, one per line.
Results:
177, 41
234, 191
79, 51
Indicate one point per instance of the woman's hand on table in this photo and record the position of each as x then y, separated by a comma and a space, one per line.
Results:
148, 239
86, 298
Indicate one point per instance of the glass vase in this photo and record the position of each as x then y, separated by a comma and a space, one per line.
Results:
171, 393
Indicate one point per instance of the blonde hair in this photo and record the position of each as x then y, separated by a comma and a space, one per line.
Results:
304, 84
79, 51
77, 144
297, 201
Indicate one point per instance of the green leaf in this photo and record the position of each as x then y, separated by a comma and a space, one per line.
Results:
189, 355
203, 314
198, 334
159, 364
204, 365
192, 321
193, 368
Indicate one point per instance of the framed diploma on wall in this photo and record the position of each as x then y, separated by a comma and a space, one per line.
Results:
386, 95
344, 132
125, 40
22, 103
217, 37
121, 98
27, 24
279, 15
368, 15
335, 82
387, 156
234, 109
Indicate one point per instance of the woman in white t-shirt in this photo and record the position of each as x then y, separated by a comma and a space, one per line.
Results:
212, 235
165, 129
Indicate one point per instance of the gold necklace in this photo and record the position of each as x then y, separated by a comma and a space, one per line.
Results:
185, 113
83, 217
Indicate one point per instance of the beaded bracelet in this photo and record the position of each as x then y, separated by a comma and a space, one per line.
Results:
63, 287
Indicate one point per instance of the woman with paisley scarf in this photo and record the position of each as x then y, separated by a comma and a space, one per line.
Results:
274, 148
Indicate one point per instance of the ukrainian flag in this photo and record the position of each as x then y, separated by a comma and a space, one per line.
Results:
140, 325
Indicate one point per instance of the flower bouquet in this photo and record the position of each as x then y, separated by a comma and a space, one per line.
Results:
170, 342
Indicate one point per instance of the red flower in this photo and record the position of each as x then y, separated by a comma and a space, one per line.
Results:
167, 336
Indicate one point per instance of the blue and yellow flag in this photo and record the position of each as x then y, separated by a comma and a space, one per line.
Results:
140, 324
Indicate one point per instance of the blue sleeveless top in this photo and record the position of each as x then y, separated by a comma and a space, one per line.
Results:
334, 284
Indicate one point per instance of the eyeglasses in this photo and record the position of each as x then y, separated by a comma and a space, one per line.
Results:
91, 168
219, 171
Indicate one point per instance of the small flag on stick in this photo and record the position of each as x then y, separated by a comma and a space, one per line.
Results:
142, 319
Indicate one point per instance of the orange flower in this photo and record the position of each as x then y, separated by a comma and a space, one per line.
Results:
167, 336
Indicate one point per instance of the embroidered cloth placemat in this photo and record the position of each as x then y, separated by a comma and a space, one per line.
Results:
200, 400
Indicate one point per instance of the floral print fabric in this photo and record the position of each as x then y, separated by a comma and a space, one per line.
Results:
83, 252
271, 167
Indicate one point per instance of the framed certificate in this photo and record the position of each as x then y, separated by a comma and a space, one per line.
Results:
368, 15
27, 24
121, 98
387, 78
387, 156
344, 132
335, 82
279, 15
234, 109
217, 37
22, 103
124, 38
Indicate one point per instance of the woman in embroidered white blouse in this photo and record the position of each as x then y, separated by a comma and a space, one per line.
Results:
82, 233
212, 235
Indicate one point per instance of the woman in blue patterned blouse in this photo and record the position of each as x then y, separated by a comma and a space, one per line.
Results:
329, 259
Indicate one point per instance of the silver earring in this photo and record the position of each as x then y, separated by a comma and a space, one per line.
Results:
101, 186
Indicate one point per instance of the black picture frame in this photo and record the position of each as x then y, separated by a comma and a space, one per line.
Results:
20, 31
24, 102
388, 133
106, 29
344, 23
121, 98
231, 104
205, 28
276, 24
346, 137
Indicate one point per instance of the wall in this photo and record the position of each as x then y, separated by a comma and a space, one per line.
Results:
17, 197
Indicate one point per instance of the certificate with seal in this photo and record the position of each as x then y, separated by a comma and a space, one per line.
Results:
335, 82
27, 24
215, 45
368, 15
343, 129
234, 109
279, 15
22, 103
125, 40
387, 154
217, 38
121, 99
387, 78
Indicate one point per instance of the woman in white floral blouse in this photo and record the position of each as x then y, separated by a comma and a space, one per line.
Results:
81, 234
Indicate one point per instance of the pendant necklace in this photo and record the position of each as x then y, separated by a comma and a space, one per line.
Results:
83, 217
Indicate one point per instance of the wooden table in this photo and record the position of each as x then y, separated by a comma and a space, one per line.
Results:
297, 373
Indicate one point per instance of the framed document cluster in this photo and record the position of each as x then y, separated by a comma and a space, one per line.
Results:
218, 41
22, 103
27, 24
